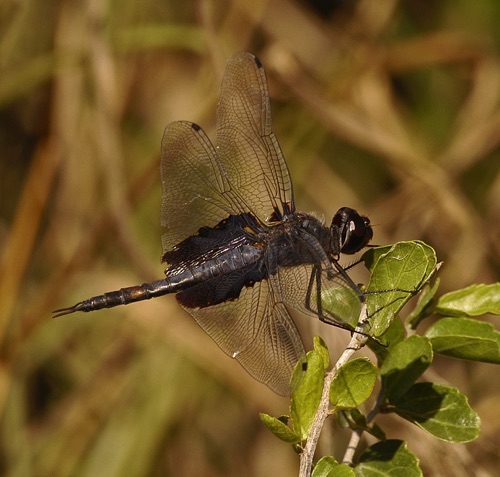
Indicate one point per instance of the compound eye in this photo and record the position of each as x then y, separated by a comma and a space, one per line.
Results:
353, 230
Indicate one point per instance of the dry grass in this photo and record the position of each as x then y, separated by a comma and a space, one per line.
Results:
393, 109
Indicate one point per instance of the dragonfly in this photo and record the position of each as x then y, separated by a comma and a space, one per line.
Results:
238, 254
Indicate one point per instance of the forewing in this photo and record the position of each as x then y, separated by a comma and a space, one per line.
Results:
257, 331
193, 183
246, 144
246, 173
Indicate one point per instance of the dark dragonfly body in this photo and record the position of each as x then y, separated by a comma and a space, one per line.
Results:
237, 252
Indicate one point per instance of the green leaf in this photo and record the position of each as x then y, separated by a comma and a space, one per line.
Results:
353, 383
443, 411
341, 302
353, 419
322, 350
404, 365
425, 305
393, 335
329, 467
389, 458
307, 387
475, 300
376, 431
465, 338
279, 428
397, 272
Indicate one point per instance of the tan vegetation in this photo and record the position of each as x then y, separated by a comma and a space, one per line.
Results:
389, 107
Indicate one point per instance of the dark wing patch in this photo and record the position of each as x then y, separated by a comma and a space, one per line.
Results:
223, 288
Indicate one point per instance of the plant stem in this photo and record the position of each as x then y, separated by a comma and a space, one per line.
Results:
357, 341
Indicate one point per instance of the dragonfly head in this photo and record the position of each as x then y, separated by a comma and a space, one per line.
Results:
350, 232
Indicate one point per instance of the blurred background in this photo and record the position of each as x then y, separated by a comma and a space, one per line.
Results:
392, 108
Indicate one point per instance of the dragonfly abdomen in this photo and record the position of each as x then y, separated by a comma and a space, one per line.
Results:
123, 296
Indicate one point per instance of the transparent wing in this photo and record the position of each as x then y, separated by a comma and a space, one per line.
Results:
245, 173
256, 330
193, 183
247, 146
314, 292
202, 185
